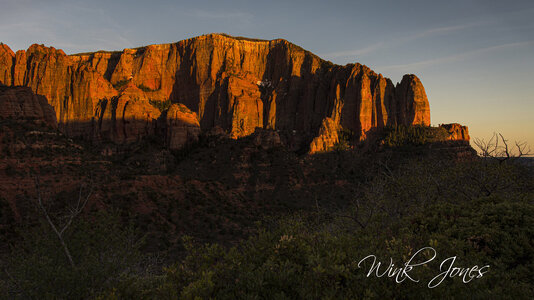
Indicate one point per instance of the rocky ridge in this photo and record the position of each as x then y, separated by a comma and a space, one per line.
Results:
232, 83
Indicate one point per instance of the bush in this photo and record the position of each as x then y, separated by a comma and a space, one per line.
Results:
402, 135
120, 84
161, 105
145, 88
346, 139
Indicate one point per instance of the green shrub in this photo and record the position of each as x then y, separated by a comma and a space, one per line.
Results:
402, 135
145, 88
120, 84
346, 139
161, 105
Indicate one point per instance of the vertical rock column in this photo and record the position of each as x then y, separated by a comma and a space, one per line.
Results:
412, 103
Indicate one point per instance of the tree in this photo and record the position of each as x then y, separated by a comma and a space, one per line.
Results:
497, 148
72, 255
73, 213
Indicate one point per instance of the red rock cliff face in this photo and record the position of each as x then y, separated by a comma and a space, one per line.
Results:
73, 89
234, 83
7, 59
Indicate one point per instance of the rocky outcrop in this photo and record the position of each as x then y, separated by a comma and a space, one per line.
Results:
412, 104
180, 126
131, 117
236, 84
328, 137
7, 59
266, 138
22, 103
457, 132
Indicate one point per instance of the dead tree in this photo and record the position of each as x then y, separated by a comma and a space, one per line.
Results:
73, 213
497, 148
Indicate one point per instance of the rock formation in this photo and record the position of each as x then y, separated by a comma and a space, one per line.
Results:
180, 126
236, 84
125, 118
266, 139
7, 58
22, 103
327, 138
457, 132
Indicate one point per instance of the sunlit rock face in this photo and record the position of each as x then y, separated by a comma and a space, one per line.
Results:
180, 126
413, 107
327, 138
457, 132
7, 59
236, 84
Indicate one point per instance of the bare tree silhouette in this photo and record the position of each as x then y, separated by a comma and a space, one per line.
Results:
497, 147
73, 213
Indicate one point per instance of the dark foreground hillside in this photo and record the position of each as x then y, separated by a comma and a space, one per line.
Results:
247, 218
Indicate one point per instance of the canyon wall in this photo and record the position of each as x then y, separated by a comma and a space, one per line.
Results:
236, 84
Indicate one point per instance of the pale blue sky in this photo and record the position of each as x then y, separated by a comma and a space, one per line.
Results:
474, 57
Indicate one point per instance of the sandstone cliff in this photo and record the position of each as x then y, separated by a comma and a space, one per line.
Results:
180, 126
233, 83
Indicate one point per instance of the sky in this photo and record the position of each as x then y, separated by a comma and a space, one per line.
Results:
474, 57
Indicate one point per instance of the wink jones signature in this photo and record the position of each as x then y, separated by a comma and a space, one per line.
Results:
447, 269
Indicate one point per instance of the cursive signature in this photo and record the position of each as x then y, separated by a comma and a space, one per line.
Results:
401, 272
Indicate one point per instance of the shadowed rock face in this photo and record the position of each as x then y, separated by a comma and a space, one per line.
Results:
22, 103
233, 83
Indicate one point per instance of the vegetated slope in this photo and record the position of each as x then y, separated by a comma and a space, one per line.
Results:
215, 188
337, 206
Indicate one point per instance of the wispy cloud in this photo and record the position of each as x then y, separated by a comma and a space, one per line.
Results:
401, 40
439, 30
453, 58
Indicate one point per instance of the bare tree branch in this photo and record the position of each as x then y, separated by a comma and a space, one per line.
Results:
506, 151
74, 212
493, 148
78, 209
